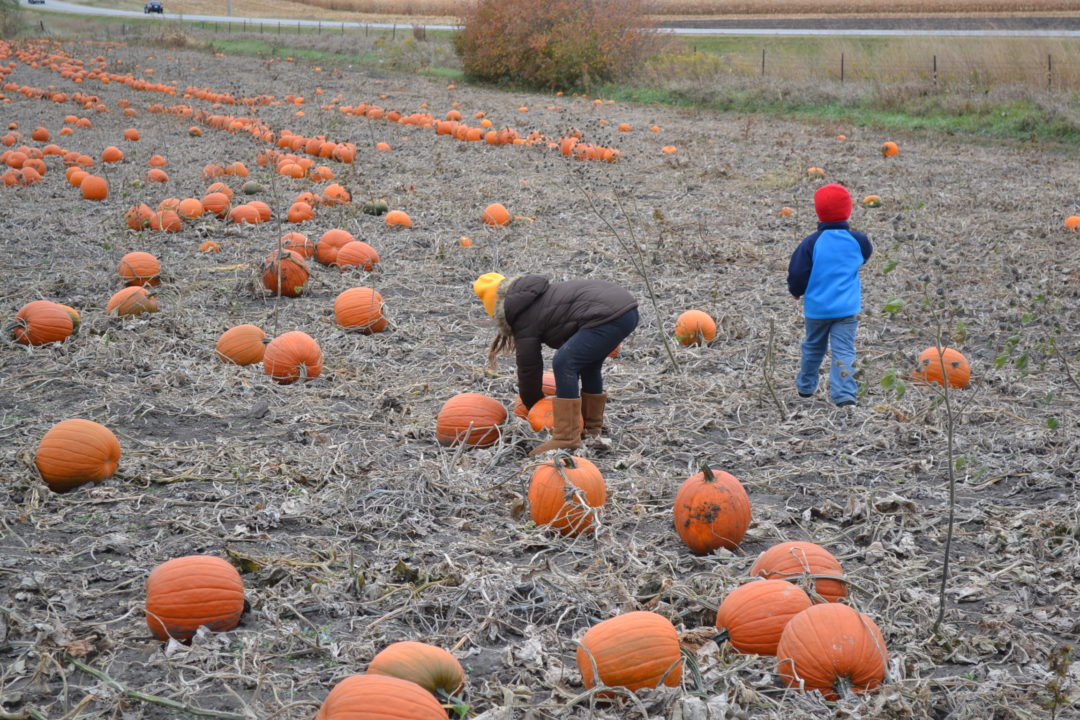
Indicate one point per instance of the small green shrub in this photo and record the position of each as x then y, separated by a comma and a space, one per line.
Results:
553, 44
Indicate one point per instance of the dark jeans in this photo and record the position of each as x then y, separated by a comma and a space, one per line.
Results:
583, 355
838, 335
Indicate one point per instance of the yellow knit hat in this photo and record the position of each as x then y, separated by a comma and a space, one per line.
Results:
486, 288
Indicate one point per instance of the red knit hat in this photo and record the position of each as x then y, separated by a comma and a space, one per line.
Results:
833, 203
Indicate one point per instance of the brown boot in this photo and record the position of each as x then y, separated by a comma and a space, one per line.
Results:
566, 430
592, 413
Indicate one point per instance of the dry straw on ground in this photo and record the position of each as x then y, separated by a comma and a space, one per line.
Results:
354, 529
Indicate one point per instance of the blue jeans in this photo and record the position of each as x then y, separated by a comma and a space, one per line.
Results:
838, 334
584, 353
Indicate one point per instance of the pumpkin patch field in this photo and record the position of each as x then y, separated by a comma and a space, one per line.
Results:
251, 442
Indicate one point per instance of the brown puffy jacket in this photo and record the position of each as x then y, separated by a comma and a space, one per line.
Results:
537, 312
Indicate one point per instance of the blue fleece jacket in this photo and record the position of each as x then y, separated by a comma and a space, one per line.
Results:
825, 268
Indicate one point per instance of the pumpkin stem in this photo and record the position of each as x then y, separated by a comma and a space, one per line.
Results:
567, 460
707, 475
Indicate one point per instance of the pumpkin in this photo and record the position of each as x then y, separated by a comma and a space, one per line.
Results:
564, 492
798, 560
547, 387
132, 300
217, 203
786, 211
430, 667
496, 214
541, 415
166, 220
285, 272
669, 149
356, 254
186, 592
157, 161
753, 615
40, 322
298, 243
335, 194
263, 210
243, 344
251, 188
379, 697
157, 175
712, 510
326, 249
40, 134
112, 154
360, 308
191, 208
1072, 222
140, 268
245, 213
832, 648
293, 356
695, 327
300, 212
948, 366
889, 149
75, 452
469, 418
208, 246
815, 172
375, 207
871, 201
94, 187
399, 219
220, 187
638, 649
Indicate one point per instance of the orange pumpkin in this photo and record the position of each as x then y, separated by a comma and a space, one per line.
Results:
379, 697
496, 214
712, 510
293, 356
300, 212
889, 149
948, 366
298, 243
140, 268
832, 648
430, 667
94, 187
190, 208
564, 494
285, 272
335, 194
753, 615
541, 415
695, 327
40, 322
112, 154
356, 254
330, 243
1072, 223
186, 592
797, 561
360, 308
398, 219
547, 387
242, 344
634, 650
75, 452
133, 300
217, 203
469, 418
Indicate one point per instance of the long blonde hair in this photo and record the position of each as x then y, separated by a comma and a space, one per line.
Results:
502, 344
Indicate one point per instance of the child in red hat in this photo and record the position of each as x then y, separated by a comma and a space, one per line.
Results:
824, 271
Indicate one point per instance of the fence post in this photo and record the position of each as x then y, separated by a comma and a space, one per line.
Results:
342, 28
319, 31
1049, 70
762, 62
841, 68
935, 71
393, 33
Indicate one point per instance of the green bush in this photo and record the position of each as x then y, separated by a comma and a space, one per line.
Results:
553, 44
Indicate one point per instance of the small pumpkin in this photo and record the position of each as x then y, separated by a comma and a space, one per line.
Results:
379, 697
947, 366
695, 327
75, 452
547, 387
94, 187
542, 415
832, 648
815, 172
41, 322
132, 300
285, 272
242, 344
564, 494
398, 219
889, 149
786, 211
712, 510
375, 207
217, 203
469, 418
430, 667
186, 592
140, 268
496, 214
638, 649
797, 561
360, 308
1072, 223
871, 201
753, 615
356, 254
293, 356
298, 243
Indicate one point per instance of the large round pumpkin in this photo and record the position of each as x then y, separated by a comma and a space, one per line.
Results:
754, 615
564, 493
430, 667
75, 452
832, 648
331, 241
950, 366
496, 214
360, 308
356, 254
635, 650
292, 356
285, 273
40, 322
379, 697
132, 300
186, 592
797, 560
469, 418
243, 344
140, 268
695, 327
712, 510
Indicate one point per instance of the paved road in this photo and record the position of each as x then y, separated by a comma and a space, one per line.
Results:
868, 27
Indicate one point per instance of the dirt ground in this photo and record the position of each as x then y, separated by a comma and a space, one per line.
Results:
353, 528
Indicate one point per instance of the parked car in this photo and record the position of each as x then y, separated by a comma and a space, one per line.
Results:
35, 2
154, 6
